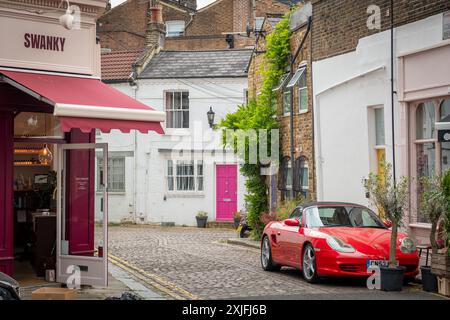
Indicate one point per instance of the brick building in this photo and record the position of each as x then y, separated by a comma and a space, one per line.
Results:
295, 84
187, 28
352, 96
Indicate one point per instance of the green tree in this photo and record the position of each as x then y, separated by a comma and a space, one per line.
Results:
260, 114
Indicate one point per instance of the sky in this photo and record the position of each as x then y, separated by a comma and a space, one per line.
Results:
200, 3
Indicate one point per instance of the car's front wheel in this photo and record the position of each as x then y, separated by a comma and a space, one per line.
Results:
266, 256
309, 265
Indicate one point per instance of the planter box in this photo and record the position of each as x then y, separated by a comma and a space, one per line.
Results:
440, 265
444, 286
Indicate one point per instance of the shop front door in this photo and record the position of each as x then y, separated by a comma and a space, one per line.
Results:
82, 214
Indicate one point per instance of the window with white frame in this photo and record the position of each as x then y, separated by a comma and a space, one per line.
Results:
175, 28
286, 103
177, 109
301, 176
116, 174
302, 93
285, 182
185, 175
379, 127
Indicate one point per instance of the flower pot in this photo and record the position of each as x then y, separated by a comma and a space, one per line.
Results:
429, 280
236, 221
391, 278
201, 222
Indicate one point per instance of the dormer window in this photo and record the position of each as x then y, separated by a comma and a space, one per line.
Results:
175, 28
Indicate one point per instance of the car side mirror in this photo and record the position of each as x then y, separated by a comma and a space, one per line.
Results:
387, 223
292, 222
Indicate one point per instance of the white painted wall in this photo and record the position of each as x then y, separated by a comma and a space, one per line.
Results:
345, 88
146, 196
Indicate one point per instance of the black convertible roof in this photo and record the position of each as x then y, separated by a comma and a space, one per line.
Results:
328, 203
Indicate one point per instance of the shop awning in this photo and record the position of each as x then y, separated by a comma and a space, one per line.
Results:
87, 103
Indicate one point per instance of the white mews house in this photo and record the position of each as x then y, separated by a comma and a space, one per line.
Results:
170, 178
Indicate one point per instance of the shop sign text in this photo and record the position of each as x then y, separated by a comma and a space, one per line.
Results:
44, 42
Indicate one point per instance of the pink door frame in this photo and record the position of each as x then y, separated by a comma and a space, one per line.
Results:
6, 193
80, 211
226, 191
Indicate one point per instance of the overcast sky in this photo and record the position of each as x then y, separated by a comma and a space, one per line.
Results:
200, 3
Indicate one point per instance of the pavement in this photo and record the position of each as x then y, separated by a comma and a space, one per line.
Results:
191, 263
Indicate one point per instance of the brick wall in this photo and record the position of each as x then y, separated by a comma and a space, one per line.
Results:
303, 123
124, 26
339, 24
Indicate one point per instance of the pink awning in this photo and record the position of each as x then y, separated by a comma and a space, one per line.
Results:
87, 103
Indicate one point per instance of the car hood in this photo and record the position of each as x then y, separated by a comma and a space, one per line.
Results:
365, 240
8, 280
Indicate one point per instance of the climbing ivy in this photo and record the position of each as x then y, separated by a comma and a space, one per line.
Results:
258, 114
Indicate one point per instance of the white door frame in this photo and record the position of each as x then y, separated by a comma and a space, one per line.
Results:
97, 266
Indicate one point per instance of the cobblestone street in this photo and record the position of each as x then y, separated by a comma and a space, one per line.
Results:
199, 263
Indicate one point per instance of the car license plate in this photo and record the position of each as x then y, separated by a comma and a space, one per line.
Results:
379, 263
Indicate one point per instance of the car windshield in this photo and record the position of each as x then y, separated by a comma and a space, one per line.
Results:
342, 216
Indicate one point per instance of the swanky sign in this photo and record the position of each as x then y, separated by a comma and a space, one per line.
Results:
43, 44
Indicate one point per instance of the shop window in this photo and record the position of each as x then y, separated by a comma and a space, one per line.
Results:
425, 119
286, 103
175, 28
116, 174
445, 146
185, 175
445, 109
32, 124
432, 157
177, 109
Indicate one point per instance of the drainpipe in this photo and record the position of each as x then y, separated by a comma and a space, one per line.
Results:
135, 167
297, 52
392, 92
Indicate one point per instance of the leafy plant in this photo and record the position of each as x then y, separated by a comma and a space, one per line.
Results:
392, 197
259, 114
434, 204
446, 189
237, 215
202, 214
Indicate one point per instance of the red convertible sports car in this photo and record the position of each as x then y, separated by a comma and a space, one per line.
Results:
327, 239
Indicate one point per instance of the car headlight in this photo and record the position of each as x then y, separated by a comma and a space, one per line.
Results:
339, 245
407, 246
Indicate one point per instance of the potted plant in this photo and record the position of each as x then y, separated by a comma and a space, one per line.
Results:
440, 261
434, 204
201, 217
392, 197
237, 219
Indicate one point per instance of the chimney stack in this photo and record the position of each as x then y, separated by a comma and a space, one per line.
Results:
156, 29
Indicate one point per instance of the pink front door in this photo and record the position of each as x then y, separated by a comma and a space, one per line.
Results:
226, 191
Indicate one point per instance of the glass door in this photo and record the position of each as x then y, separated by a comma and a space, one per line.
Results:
82, 214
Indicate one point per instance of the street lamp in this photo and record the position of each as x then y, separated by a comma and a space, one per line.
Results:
211, 115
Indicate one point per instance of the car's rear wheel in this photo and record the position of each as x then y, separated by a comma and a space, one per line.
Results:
266, 256
309, 265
